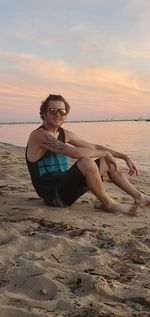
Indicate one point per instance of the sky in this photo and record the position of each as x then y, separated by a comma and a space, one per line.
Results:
95, 53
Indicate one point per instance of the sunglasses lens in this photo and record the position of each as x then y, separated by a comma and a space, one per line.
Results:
54, 111
62, 112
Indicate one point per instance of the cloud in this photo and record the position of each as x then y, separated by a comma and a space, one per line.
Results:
106, 32
84, 76
98, 59
59, 71
98, 89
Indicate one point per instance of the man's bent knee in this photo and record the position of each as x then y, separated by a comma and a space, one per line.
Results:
86, 165
111, 172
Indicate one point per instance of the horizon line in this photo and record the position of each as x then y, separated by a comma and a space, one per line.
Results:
77, 121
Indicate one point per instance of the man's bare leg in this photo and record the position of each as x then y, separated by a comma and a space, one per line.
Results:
121, 181
94, 182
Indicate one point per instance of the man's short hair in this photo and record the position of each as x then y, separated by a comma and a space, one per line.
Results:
45, 104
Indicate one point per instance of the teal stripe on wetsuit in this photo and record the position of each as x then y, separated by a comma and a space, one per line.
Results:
53, 163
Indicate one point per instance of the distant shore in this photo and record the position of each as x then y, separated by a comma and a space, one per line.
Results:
80, 121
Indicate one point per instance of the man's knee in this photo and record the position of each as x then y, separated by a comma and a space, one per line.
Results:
86, 165
111, 172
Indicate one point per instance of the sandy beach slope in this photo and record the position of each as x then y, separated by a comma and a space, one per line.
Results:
74, 262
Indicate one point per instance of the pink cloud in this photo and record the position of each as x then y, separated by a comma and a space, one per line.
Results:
108, 89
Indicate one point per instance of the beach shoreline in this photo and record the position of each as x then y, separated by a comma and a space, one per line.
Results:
75, 261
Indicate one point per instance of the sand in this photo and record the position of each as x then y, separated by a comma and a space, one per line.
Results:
74, 262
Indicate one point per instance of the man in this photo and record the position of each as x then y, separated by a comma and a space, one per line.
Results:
47, 151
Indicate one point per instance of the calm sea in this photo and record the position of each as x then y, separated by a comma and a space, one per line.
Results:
130, 137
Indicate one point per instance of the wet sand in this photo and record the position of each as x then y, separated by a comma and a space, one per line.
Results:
74, 262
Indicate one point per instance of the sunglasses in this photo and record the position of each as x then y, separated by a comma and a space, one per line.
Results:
55, 111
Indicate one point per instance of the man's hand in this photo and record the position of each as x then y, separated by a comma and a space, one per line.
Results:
132, 167
111, 162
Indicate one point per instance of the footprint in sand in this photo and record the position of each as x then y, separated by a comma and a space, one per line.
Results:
39, 288
6, 311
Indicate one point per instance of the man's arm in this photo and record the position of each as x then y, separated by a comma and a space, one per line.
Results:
73, 139
47, 141
51, 143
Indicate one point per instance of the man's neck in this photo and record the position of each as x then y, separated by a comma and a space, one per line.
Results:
51, 129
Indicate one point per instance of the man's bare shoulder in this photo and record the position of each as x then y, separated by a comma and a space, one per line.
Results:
43, 139
38, 134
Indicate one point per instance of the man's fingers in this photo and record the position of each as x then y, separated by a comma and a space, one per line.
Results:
132, 171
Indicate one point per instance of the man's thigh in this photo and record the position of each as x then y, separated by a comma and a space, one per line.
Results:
72, 185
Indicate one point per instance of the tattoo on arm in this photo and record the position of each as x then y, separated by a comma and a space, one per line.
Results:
54, 144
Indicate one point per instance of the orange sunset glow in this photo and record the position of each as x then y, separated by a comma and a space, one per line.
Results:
101, 66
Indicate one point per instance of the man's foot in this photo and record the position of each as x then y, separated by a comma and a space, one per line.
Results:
117, 207
142, 201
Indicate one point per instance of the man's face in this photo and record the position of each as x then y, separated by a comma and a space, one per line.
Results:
56, 113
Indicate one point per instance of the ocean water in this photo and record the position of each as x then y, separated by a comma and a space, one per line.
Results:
130, 137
